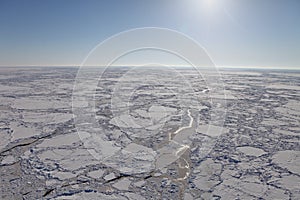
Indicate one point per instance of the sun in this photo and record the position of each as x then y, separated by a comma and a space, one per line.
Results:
210, 3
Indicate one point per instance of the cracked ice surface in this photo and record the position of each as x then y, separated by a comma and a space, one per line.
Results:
154, 136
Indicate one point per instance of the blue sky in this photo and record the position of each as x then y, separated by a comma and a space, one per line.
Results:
234, 32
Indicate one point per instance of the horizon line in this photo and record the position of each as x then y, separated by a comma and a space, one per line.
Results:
134, 65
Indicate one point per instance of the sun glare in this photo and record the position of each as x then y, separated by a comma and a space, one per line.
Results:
209, 3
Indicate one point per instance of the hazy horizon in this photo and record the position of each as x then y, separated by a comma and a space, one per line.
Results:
180, 66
